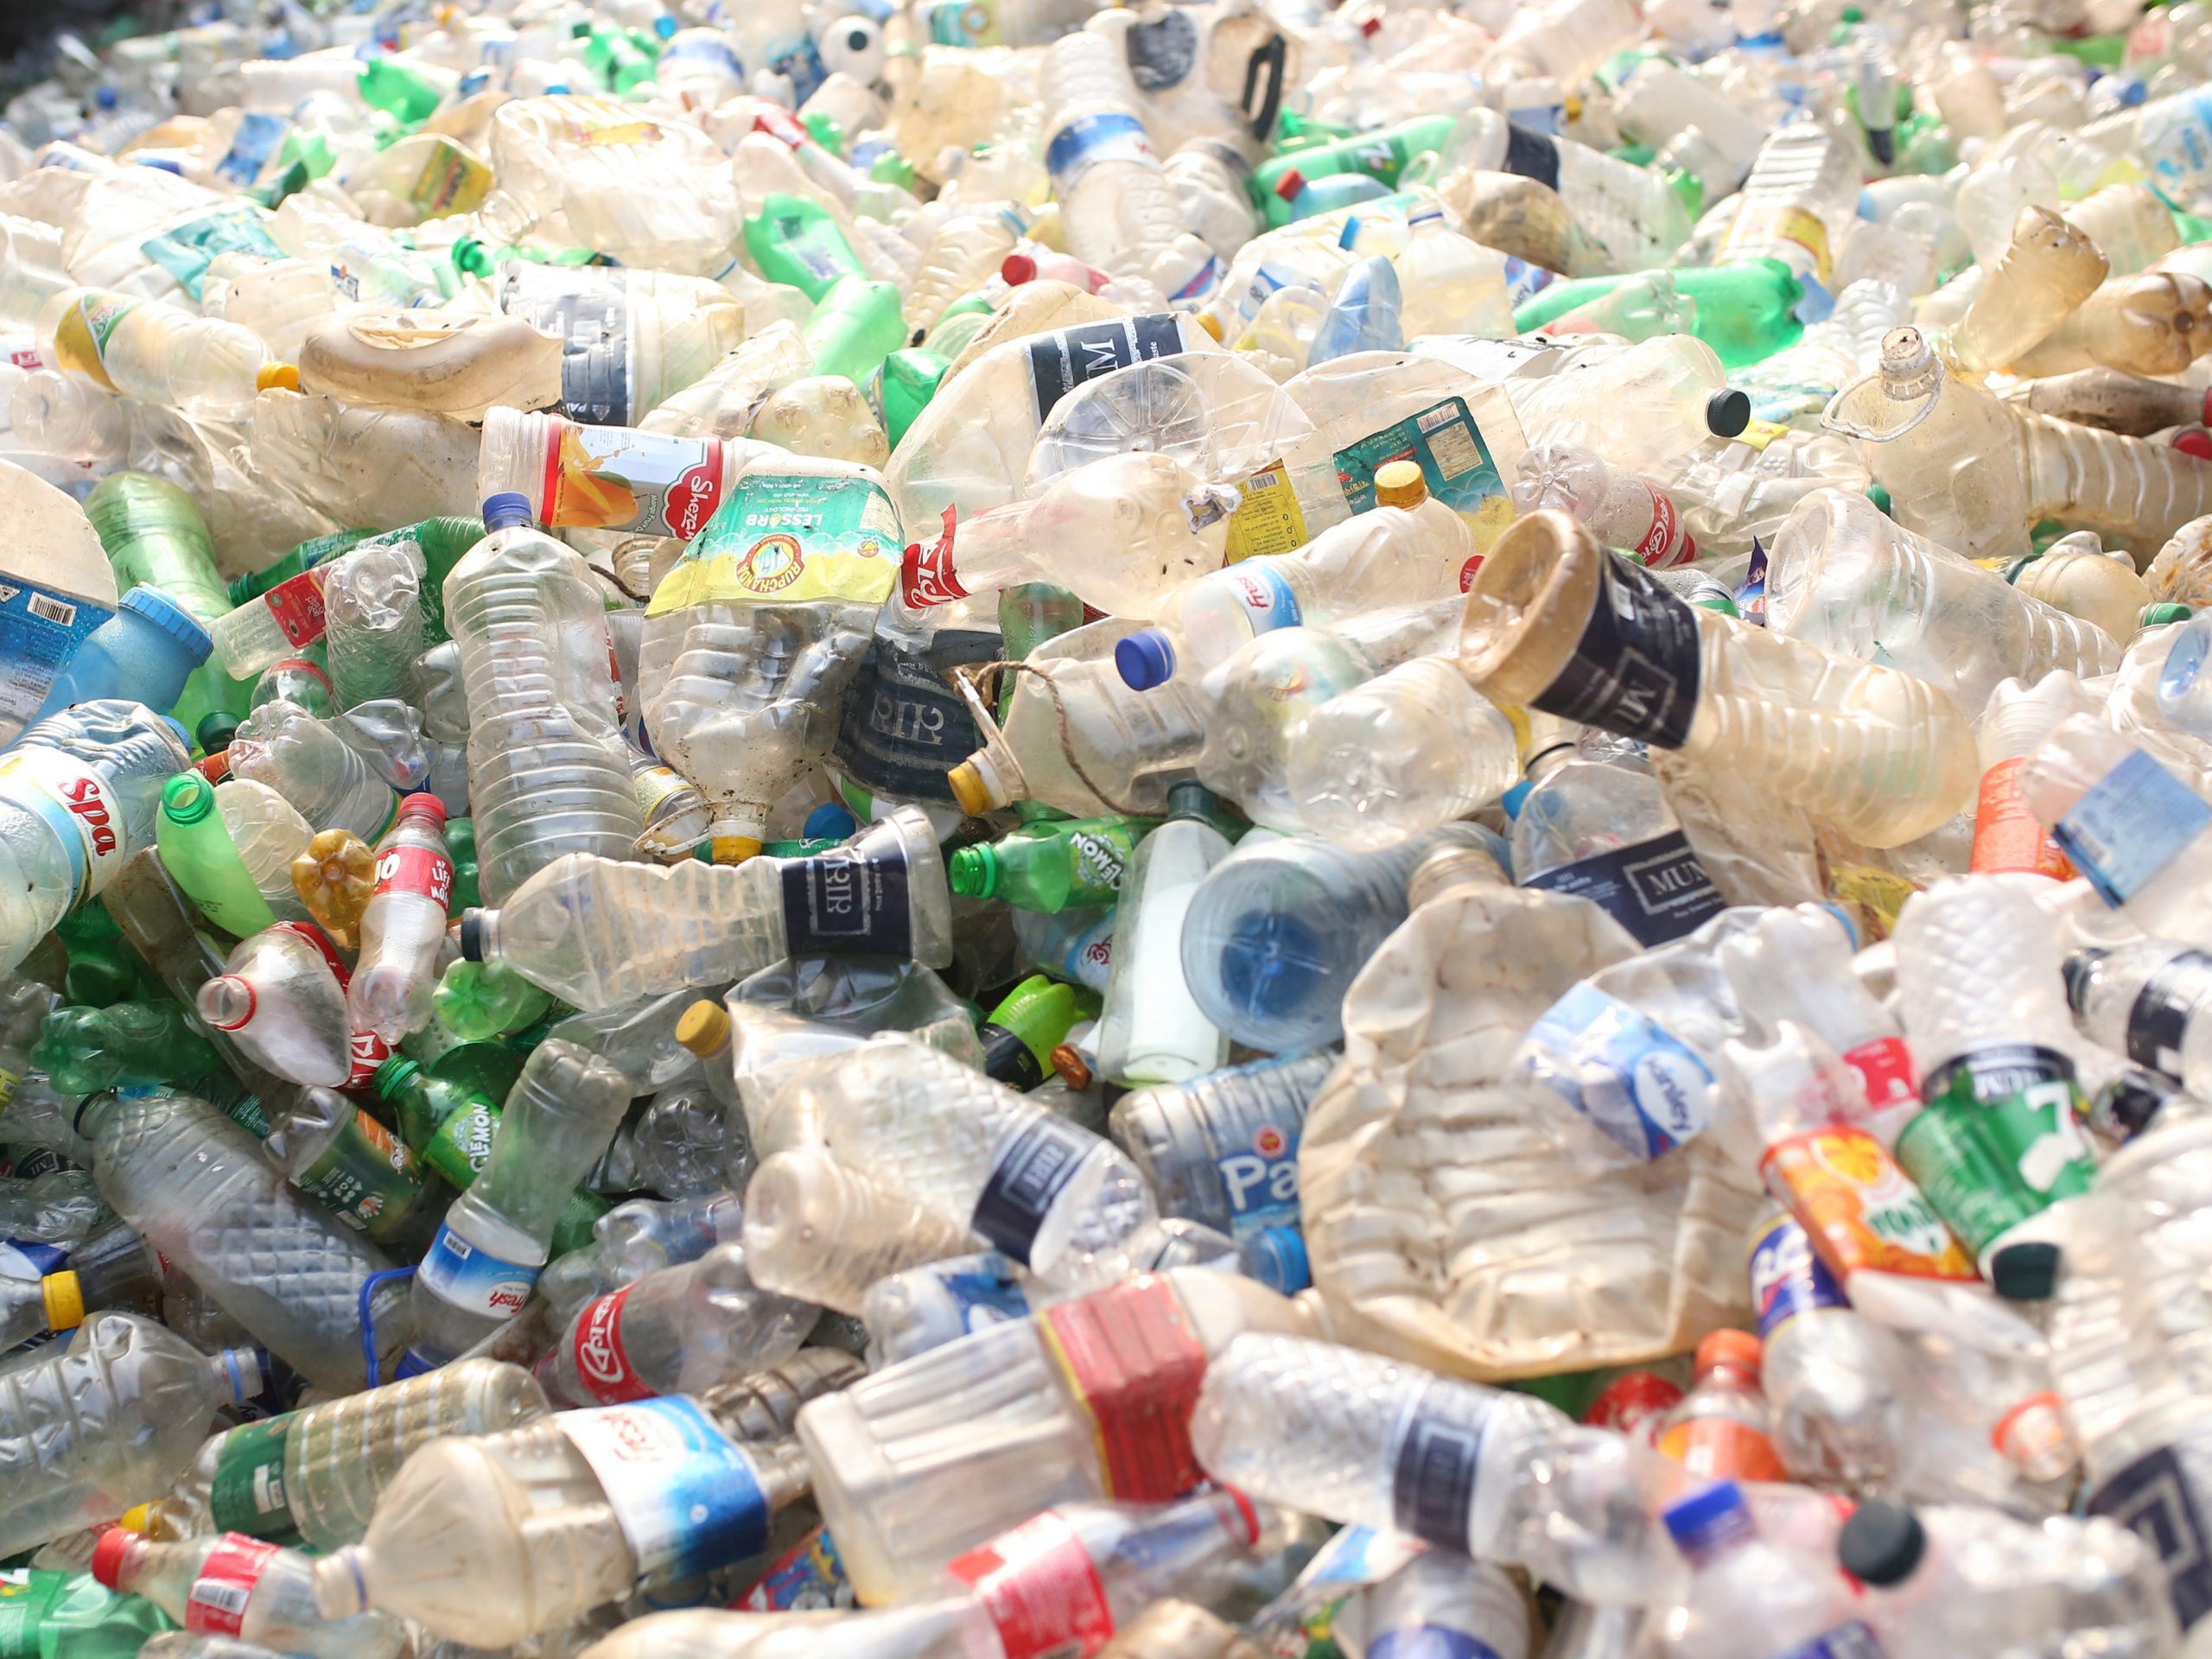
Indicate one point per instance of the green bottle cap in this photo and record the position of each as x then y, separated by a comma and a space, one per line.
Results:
188, 798
1039, 1011
2166, 611
393, 1075
1880, 498
1191, 800
973, 871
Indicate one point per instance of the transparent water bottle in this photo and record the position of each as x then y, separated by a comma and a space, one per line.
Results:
404, 925
2146, 1000
1799, 202
372, 622
822, 1232
159, 353
232, 1585
1749, 1599
679, 1330
1152, 1029
278, 998
1622, 508
326, 779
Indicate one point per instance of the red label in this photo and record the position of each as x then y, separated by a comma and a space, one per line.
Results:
602, 1366
1467, 572
216, 1600
315, 936
84, 797
1659, 536
423, 870
692, 499
296, 603
1884, 1069
1038, 1588
367, 1051
215, 767
925, 574
1135, 1366
774, 121
2007, 837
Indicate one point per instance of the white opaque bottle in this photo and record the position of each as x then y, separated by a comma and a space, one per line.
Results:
1151, 1030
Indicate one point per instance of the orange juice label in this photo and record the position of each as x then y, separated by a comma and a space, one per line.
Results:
2007, 836
1858, 1208
1720, 1448
618, 478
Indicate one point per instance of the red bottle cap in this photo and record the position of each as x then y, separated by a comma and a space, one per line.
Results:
1632, 1397
422, 803
1739, 1349
1019, 267
1290, 184
109, 1553
2195, 442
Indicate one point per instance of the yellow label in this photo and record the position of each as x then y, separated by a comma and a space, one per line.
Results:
787, 538
1878, 894
81, 337
1759, 434
1490, 519
1806, 230
597, 121
451, 181
1268, 519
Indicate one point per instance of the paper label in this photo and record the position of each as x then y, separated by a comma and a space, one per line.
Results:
849, 899
1640, 1084
2132, 823
296, 604
807, 1578
2159, 1017
1436, 1454
1998, 1140
1860, 1210
1134, 1365
1884, 1069
186, 250
248, 1493
1034, 1167
789, 539
1269, 519
1066, 357
619, 478
602, 1368
216, 1602
1260, 1182
2007, 836
2162, 1497
1657, 889
75, 802
41, 629
83, 331
1083, 142
684, 1495
1636, 670
1038, 1588
474, 1279
1447, 446
367, 1179
1787, 1278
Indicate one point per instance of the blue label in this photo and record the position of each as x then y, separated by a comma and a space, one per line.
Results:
1631, 1077
1031, 1172
474, 1279
1787, 1278
684, 1494
1090, 139
1260, 1182
38, 1260
255, 142
1262, 592
2132, 823
1851, 1641
709, 49
1438, 1455
803, 63
809, 1579
40, 631
1429, 1642
186, 250
1524, 281
985, 1297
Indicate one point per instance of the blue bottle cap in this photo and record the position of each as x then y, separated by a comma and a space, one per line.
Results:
177, 726
1276, 1257
828, 822
506, 510
1146, 659
1712, 1517
152, 605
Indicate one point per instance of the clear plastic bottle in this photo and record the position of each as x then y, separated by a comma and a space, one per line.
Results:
1629, 214
606, 478
546, 767
1152, 1029
820, 1231
680, 1330
1621, 509
157, 352
235, 1586
2126, 821
279, 1001
1440, 1601
1748, 1598
404, 925
2085, 580
1884, 756
556, 1123
2144, 999
2156, 322
2018, 717
1718, 1431
373, 618
1641, 406
1117, 209
328, 781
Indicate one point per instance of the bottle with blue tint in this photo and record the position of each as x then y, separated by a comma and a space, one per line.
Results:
1363, 316
1153, 1029
145, 651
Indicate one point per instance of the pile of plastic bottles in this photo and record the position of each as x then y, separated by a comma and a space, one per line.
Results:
1004, 829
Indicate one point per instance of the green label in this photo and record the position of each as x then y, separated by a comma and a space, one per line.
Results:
186, 250
245, 1112
249, 1494
1998, 1140
367, 1179
27, 1601
462, 1145
789, 539
1447, 446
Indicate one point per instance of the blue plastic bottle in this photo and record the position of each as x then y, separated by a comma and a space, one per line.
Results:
145, 651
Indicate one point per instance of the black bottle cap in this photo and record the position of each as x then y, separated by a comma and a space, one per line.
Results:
1882, 1542
1727, 413
2025, 1272
472, 935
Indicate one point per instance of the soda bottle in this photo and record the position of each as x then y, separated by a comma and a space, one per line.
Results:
279, 999
1070, 862
684, 1329
403, 927
232, 1584
202, 858
125, 1044
1719, 1429
334, 876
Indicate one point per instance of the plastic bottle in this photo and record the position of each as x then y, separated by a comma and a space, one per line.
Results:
372, 622
1748, 1598
232, 1585
124, 1044
404, 925
147, 650
2140, 999
1077, 861
2019, 716
1629, 214
67, 591
200, 855
324, 776
1621, 509
334, 875
1799, 202
1153, 1028
682, 1330
822, 1232
278, 998
1118, 210
159, 353
1719, 1430
1439, 1599
2080, 782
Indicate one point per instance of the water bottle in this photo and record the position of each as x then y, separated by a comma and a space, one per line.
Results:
372, 622
232, 1584
1749, 1599
147, 650
1440, 1601
304, 759
2142, 1000
681, 1329
819, 1232
1120, 212
1153, 1028
924, 1307
279, 999
159, 353
404, 925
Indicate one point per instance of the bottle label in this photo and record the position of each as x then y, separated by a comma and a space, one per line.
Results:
618, 478
1135, 1364
75, 802
1263, 594
1884, 1069
1436, 1458
1850, 1641
476, 1280
1637, 1082
29, 1602
296, 604
41, 629
683, 1493
1260, 1182
1861, 1210
2133, 822
807, 1578
1663, 544
1447, 446
1998, 1140
1034, 1167
82, 333
1530, 155
601, 1365
852, 897
1657, 889
590, 313
1805, 230
1088, 140
451, 181
425, 872
186, 250
367, 1179
216, 1601
2159, 1017
248, 1494
1720, 1448
1064, 359
1429, 1642
926, 578
984, 1298
2162, 1497
790, 539
962, 22
1635, 671
1269, 519
1100, 849
904, 726
461, 1146
2007, 836
1787, 1278
1040, 1589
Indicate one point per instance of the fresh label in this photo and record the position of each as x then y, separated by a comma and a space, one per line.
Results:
1859, 1208
983, 1295
1066, 357
1435, 1459
1663, 544
1034, 1167
2159, 1017
1260, 589
461, 1146
1631, 1077
1787, 1278
2133, 822
2007, 835
1447, 446
216, 1602
1085, 141
248, 1493
41, 629
790, 539
1135, 1364
474, 1279
1038, 1588
619, 478
1998, 1140
1635, 671
1657, 889
602, 1367
75, 802
684, 1495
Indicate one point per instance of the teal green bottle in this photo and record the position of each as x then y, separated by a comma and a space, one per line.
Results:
451, 1126
460, 843
908, 379
47, 1615
856, 325
1049, 867
401, 93
1380, 155
1746, 310
197, 851
153, 533
1304, 198
124, 1044
102, 968
793, 239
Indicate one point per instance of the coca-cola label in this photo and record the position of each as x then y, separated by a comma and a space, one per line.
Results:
296, 604
1659, 549
926, 577
216, 1602
474, 1280
76, 805
602, 1368
1040, 1590
424, 871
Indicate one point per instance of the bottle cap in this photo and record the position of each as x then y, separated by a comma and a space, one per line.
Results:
392, 1077
1074, 1070
422, 803
703, 1027
2075, 970
831, 821
469, 934
506, 510
137, 1518
1633, 1397
2195, 440
227, 1002
1018, 268
1727, 413
971, 794
1276, 1257
217, 728
1400, 484
152, 605
65, 1300
2025, 1272
1881, 1544
973, 872
1712, 1517
109, 1553
1146, 659
280, 376
1290, 184
1192, 799
2165, 611
1211, 323
187, 798
1738, 1348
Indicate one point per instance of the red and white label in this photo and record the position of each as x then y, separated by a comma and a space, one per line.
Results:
2007, 838
315, 936
602, 1366
693, 497
925, 574
80, 796
296, 603
423, 870
1659, 549
1884, 1069
1040, 1590
1135, 1364
1468, 571
216, 1602
367, 1051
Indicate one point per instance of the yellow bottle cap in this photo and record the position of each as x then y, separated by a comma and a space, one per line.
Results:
969, 789
1207, 321
703, 1028
283, 376
732, 850
65, 1301
1400, 484
137, 1518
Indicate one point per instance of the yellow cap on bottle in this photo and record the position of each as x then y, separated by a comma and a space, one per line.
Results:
732, 850
283, 376
1400, 484
1211, 323
969, 789
137, 1518
703, 1028
65, 1301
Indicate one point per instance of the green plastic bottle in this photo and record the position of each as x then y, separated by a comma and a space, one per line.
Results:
461, 842
1746, 310
73, 1616
153, 533
856, 325
305, 557
452, 1126
85, 1050
1049, 867
793, 239
400, 92
479, 1001
197, 851
1380, 155
1029, 1023
908, 379
102, 968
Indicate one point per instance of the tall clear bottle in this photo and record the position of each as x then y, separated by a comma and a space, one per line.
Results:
1152, 1029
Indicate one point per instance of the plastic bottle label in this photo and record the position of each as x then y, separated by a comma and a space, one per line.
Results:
1663, 544
807, 1578
1260, 1182
2007, 836
450, 176
2160, 1497
1109, 136
1269, 519
1066, 357
1884, 1069
1657, 889
1635, 671
1720, 1448
367, 1179
41, 629
591, 315
790, 539
2133, 822
476, 1280
1787, 1278
602, 1367
985, 1299
248, 1494
424, 871
684, 1495
848, 899
1261, 592
2159, 1016
216, 1601
1429, 1642
1038, 1588
1861, 1210
962, 22
1032, 1168
295, 604
186, 250
1851, 1641
1637, 1082
1997, 1140
1133, 1364
903, 726
82, 331
74, 800
460, 1148
1436, 1455
1447, 446
619, 478
29, 1602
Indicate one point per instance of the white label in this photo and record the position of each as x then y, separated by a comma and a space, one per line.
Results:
74, 800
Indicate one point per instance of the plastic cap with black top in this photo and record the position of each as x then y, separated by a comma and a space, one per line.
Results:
1882, 1542
1727, 413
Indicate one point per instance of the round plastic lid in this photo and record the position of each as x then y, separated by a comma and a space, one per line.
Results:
1718, 1507
217, 728
703, 1027
1882, 1542
1727, 413
1146, 659
425, 805
1737, 1348
152, 605
472, 935
108, 1555
2196, 441
830, 821
2164, 612
1400, 484
1019, 267
2025, 1272
282, 377
506, 510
